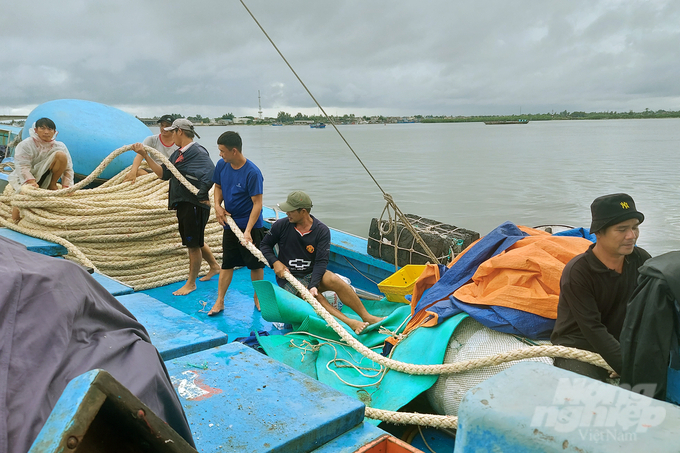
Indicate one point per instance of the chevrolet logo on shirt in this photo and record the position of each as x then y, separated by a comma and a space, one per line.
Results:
299, 264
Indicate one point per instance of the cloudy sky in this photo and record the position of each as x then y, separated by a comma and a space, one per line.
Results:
366, 57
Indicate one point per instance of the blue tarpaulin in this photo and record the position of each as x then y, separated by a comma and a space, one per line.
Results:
440, 301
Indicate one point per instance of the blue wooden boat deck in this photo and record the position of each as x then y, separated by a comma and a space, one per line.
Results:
253, 403
269, 396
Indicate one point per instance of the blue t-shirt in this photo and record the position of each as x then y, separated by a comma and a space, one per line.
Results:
238, 186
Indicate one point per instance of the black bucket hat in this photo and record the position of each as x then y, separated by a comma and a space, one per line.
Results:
609, 210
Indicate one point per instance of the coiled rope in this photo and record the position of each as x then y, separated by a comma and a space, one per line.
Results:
122, 230
98, 200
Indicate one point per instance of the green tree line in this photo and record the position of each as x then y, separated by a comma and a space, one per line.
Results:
565, 115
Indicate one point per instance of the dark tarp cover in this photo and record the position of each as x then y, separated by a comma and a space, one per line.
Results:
650, 331
57, 323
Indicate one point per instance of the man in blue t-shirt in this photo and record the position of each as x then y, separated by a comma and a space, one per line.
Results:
238, 183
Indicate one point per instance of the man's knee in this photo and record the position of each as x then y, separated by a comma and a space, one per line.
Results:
60, 157
331, 282
194, 250
60, 160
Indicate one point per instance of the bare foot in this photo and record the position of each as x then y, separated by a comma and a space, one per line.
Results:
357, 326
16, 216
370, 319
216, 309
257, 303
211, 273
184, 290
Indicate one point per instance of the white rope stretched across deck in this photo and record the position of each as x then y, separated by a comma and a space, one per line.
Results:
450, 368
119, 226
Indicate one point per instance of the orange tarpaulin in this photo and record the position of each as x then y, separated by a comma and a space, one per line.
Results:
526, 276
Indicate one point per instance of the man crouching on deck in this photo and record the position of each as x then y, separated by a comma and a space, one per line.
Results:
193, 211
40, 161
596, 286
304, 247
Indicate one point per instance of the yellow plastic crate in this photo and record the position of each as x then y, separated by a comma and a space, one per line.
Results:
401, 283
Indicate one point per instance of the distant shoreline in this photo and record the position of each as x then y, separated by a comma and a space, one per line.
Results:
346, 120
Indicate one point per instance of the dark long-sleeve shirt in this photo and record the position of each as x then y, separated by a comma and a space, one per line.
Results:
301, 253
198, 168
592, 304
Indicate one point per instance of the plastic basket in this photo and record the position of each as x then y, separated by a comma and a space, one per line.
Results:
401, 283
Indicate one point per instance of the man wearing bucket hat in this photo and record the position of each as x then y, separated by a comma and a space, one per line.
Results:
193, 211
596, 286
304, 247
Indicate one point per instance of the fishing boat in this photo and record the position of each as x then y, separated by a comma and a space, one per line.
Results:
205, 355
9, 135
317, 125
520, 121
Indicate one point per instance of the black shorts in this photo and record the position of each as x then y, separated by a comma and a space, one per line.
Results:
192, 221
234, 254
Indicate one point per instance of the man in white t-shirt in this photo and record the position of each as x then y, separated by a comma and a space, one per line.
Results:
162, 142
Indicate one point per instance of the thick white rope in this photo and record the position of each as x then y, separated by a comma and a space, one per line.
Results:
103, 205
440, 421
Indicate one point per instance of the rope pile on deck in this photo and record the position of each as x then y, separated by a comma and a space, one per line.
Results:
121, 228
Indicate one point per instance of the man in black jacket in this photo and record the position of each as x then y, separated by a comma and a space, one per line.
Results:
193, 211
304, 248
596, 286
651, 331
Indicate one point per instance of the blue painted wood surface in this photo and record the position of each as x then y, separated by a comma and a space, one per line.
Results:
245, 401
91, 131
352, 440
34, 244
435, 439
239, 317
71, 401
673, 386
534, 407
114, 287
175, 334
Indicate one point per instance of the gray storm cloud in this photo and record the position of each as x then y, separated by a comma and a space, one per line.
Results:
395, 58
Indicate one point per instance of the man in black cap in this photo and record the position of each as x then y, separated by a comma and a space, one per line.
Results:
162, 142
596, 286
193, 211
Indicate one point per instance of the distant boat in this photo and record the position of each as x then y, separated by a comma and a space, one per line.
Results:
507, 122
277, 124
317, 125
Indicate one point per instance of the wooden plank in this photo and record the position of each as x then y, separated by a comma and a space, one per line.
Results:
175, 334
245, 401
